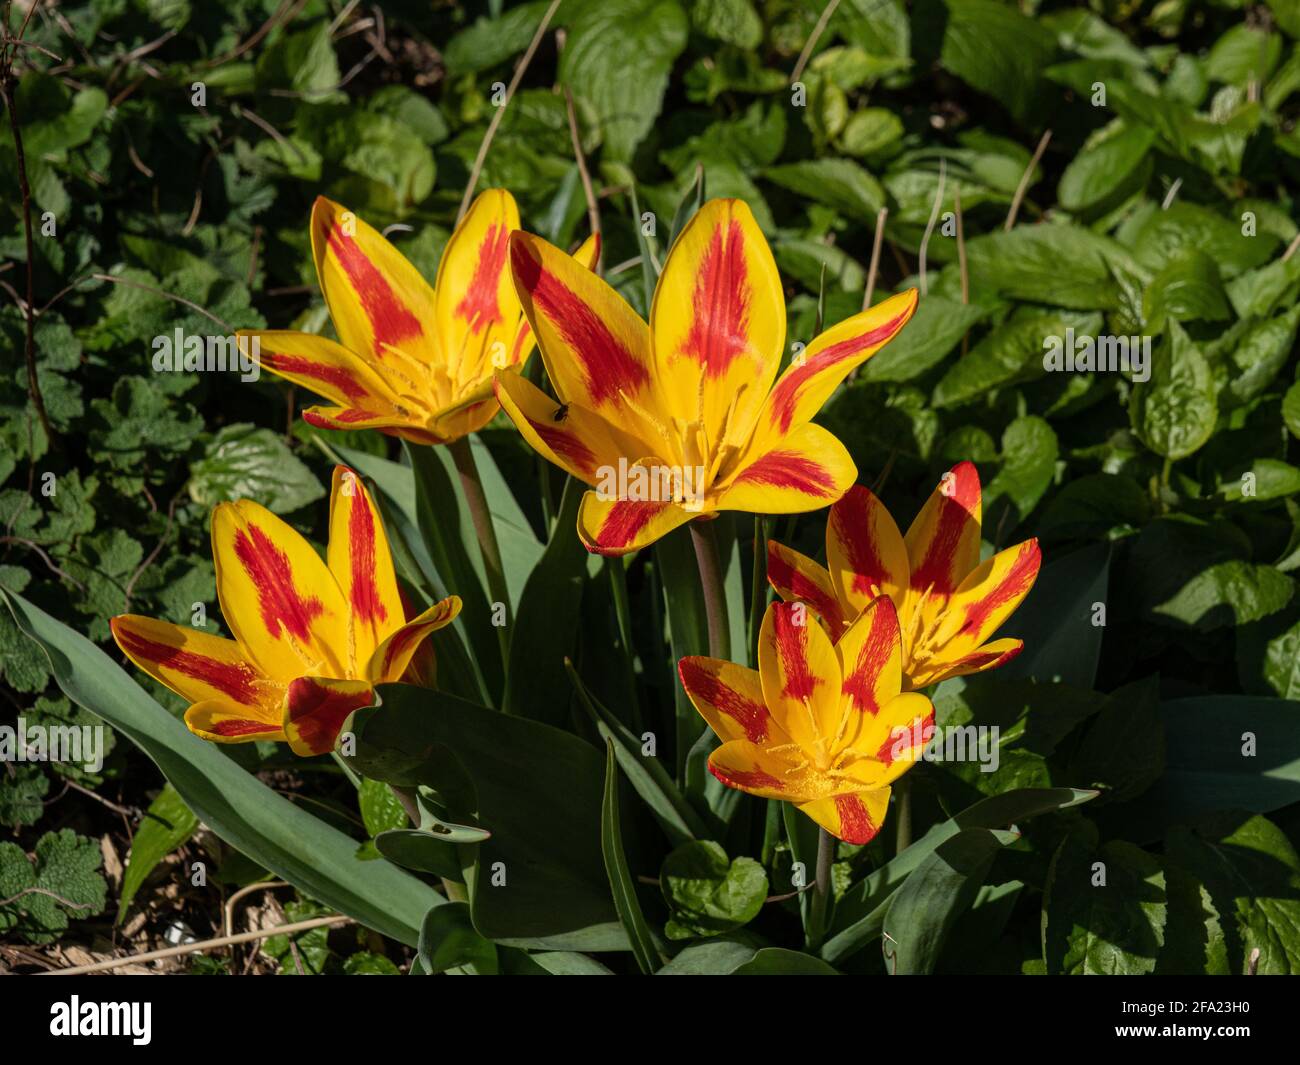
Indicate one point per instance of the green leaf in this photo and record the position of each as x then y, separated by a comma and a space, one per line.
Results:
936, 893
380, 809
1029, 457
1103, 911
272, 831
539, 881
1059, 265
1123, 752
709, 894
1188, 288
1103, 165
840, 184
1228, 593
1252, 874
621, 881
777, 961
244, 462
448, 940
167, 824
64, 883
860, 912
618, 57
1175, 411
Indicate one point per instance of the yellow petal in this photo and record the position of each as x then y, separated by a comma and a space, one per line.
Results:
377, 299
891, 741
407, 427
362, 563
748, 767
730, 698
865, 552
871, 660
571, 436
277, 595
832, 356
315, 709
943, 543
478, 311
620, 526
324, 366
807, 470
800, 675
196, 665
223, 722
391, 657
958, 662
718, 322
854, 817
796, 578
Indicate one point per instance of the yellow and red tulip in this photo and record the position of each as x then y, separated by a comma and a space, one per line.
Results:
692, 400
823, 725
411, 360
949, 603
312, 636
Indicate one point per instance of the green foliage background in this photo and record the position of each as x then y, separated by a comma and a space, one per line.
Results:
1163, 205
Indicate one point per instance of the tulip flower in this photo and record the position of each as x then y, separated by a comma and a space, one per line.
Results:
312, 636
411, 361
949, 603
681, 418
823, 725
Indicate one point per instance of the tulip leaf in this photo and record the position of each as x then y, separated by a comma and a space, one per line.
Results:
644, 772
938, 890
860, 912
777, 961
547, 620
260, 823
449, 941
621, 881
708, 893
167, 824
539, 882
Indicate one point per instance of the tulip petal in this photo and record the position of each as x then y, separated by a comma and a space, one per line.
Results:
718, 322
800, 674
196, 665
809, 469
796, 578
943, 543
324, 366
315, 708
803, 388
730, 698
377, 299
621, 526
747, 767
854, 817
410, 428
596, 348
478, 311
222, 722
890, 741
278, 596
865, 552
989, 656
391, 657
571, 437
871, 658
362, 563
990, 594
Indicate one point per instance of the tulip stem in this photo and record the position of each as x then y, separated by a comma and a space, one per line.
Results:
481, 514
758, 588
903, 792
705, 540
821, 889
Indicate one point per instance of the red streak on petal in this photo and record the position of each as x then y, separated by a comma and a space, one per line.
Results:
744, 780
708, 687
855, 823
317, 712
240, 727
479, 305
789, 470
625, 520
851, 524
785, 396
1013, 587
873, 656
282, 607
391, 321
335, 376
953, 516
366, 604
608, 365
720, 324
401, 642
792, 649
787, 579
237, 680
893, 747
566, 445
